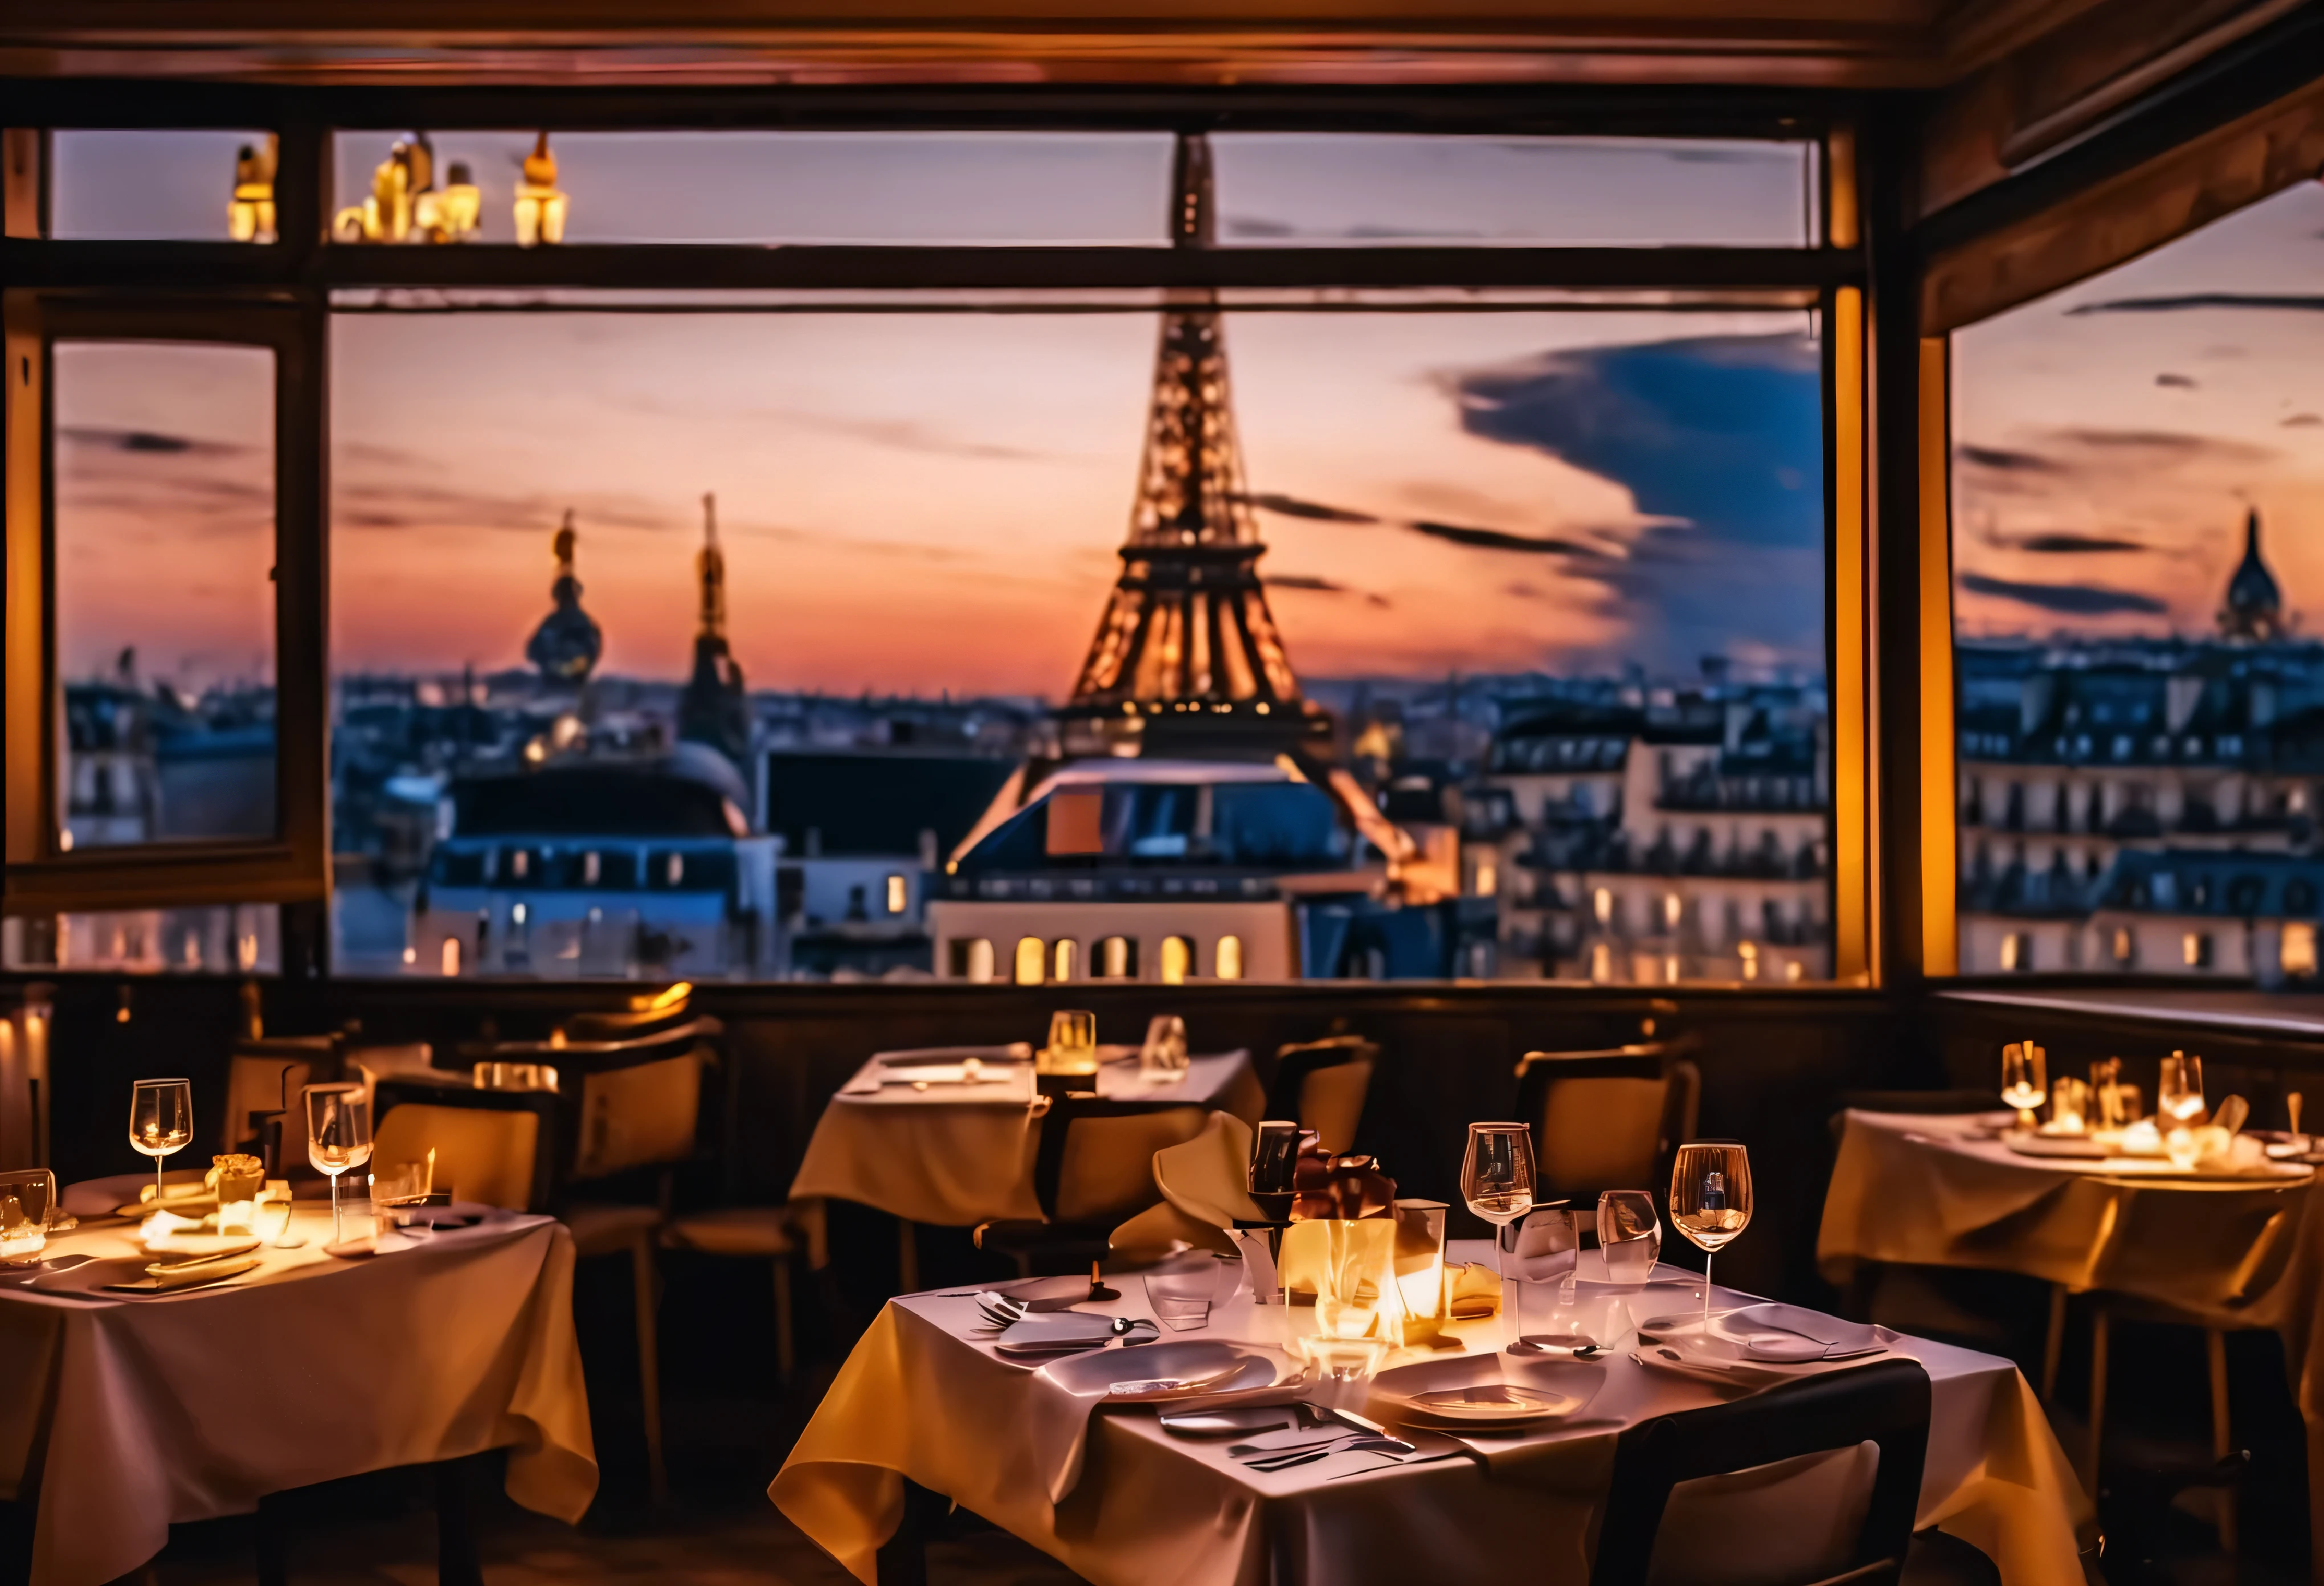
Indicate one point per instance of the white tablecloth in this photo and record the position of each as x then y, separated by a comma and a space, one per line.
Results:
119, 1414
919, 1398
959, 1155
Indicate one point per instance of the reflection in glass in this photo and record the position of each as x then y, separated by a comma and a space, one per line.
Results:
164, 591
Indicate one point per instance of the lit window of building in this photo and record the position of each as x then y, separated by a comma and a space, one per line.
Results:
1032, 961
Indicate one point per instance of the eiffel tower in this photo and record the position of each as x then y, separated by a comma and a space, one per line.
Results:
1187, 659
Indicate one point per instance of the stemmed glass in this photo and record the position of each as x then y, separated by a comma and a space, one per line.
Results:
1497, 1179
160, 1122
338, 1136
1711, 1200
2179, 1094
2023, 1084
1629, 1235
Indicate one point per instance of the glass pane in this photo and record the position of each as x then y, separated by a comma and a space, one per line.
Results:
2137, 542
1546, 587
1346, 189
758, 187
223, 939
162, 186
164, 590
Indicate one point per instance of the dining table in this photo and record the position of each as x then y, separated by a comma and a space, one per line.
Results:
948, 1135
2234, 1243
125, 1412
926, 1398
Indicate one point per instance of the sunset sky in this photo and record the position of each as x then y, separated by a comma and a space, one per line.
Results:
933, 501
2109, 439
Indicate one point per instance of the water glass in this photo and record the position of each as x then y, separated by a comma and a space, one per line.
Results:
1629, 1235
1072, 1043
1545, 1247
2179, 1094
1181, 1296
28, 1209
1164, 1055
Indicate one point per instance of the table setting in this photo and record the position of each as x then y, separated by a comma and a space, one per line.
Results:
946, 1135
1238, 1418
193, 1343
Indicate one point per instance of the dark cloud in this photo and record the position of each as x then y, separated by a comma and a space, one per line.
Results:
1501, 540
2072, 600
1291, 506
2175, 382
2304, 421
2066, 544
2299, 303
2003, 460
1720, 441
1309, 584
148, 441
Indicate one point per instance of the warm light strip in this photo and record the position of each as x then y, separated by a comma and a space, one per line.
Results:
1939, 933
1854, 725
25, 713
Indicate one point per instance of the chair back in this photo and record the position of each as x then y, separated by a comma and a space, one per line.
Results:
491, 1146
1695, 1500
1325, 1085
486, 1154
1094, 1161
265, 1076
633, 1102
1606, 1119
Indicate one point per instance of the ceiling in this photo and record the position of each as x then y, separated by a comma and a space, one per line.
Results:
1834, 43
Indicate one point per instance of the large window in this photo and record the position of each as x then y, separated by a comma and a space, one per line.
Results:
2138, 508
1285, 594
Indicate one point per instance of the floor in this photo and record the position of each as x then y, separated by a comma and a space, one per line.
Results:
729, 1425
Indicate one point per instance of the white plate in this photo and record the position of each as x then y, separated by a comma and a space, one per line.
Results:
1492, 1404
1210, 1369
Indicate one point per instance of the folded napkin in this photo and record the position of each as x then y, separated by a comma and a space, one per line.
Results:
1472, 1289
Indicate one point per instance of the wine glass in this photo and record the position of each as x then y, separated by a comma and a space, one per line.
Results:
2023, 1084
160, 1122
338, 1134
1711, 1200
1629, 1235
1072, 1042
1497, 1179
2179, 1094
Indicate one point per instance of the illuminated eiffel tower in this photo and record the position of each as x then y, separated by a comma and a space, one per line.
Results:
1187, 659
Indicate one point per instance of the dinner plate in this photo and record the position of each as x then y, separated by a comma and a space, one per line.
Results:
1490, 1404
2080, 1146
162, 1278
1213, 1372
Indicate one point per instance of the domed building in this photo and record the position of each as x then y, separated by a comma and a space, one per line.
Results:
2255, 605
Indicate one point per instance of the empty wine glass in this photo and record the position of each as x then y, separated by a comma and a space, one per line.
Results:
160, 1122
1629, 1235
2179, 1094
338, 1136
1497, 1179
1711, 1200
2023, 1084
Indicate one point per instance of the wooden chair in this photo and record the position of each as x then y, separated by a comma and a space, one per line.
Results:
1606, 1119
1704, 1471
1324, 1084
264, 1078
1093, 1170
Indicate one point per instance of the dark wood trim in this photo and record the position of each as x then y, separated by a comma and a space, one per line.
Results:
181, 267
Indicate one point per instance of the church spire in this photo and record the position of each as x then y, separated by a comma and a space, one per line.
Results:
715, 709
568, 644
2254, 609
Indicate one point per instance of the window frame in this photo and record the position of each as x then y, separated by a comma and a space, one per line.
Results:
290, 866
292, 282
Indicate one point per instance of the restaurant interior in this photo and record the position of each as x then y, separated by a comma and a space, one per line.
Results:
1739, 625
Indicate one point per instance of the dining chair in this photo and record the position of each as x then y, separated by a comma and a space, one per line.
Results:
1609, 1118
1814, 1482
1325, 1085
625, 1108
1092, 1169
264, 1078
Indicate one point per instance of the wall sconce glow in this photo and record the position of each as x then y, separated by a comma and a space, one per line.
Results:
540, 206
250, 213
